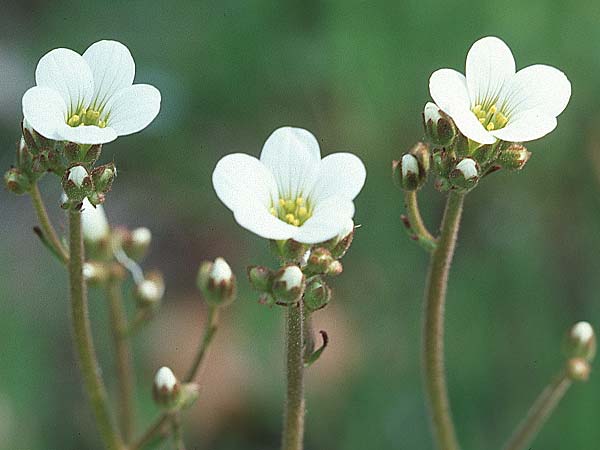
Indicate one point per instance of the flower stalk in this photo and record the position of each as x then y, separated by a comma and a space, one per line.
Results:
123, 358
293, 426
49, 236
82, 335
209, 333
433, 326
414, 222
541, 410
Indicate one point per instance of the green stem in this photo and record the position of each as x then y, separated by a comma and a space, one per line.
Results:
433, 327
82, 335
209, 333
123, 358
177, 433
293, 427
156, 428
50, 236
539, 413
415, 225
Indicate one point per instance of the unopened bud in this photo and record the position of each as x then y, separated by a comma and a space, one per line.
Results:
166, 389
137, 243
288, 284
103, 177
316, 295
406, 172
261, 278
439, 127
339, 245
216, 282
16, 181
465, 175
319, 261
514, 157
95, 273
580, 342
94, 224
77, 184
578, 369
150, 291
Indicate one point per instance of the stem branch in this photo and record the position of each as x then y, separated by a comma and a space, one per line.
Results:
539, 413
433, 327
414, 222
50, 237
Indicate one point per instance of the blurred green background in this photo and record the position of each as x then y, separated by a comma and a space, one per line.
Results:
355, 73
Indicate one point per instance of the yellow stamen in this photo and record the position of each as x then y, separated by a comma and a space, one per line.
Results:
482, 120
490, 126
302, 211
273, 211
290, 218
299, 201
73, 120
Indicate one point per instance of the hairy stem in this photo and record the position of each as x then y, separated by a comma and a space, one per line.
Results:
539, 413
433, 327
82, 335
415, 225
50, 236
293, 426
123, 358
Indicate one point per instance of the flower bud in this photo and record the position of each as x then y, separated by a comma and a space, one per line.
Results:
423, 155
94, 225
439, 127
16, 181
77, 184
150, 292
288, 284
580, 342
103, 177
261, 278
465, 175
136, 242
316, 295
166, 389
578, 369
514, 157
319, 261
216, 282
95, 273
406, 172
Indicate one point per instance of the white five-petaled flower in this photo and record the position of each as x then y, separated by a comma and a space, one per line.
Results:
89, 98
291, 193
493, 101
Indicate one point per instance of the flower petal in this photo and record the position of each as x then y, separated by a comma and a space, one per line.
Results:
527, 126
292, 155
330, 218
68, 73
538, 87
469, 125
87, 134
112, 67
490, 64
45, 111
241, 180
341, 174
448, 88
256, 218
132, 109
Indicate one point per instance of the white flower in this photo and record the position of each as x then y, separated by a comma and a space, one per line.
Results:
77, 174
292, 277
89, 98
93, 222
220, 271
290, 193
494, 101
582, 332
165, 379
468, 168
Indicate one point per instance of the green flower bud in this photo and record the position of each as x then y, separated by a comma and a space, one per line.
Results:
514, 157
465, 175
339, 245
289, 250
103, 177
261, 278
16, 181
580, 342
77, 185
288, 285
216, 282
407, 172
316, 295
439, 127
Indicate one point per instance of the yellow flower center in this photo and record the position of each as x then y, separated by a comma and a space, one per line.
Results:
491, 118
85, 116
294, 211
